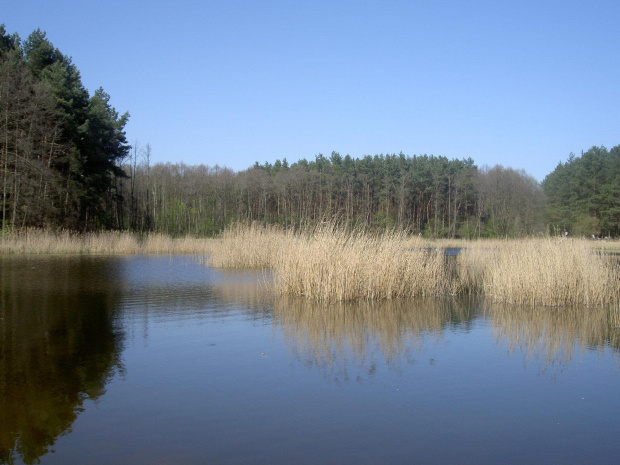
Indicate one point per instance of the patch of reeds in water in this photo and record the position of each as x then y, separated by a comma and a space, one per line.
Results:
38, 241
336, 264
339, 265
547, 272
248, 246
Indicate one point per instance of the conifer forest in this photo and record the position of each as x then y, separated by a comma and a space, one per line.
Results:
66, 163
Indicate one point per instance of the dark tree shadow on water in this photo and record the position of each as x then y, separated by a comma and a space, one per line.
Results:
59, 346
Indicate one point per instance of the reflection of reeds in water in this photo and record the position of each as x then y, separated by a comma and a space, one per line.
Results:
38, 241
251, 290
329, 335
553, 333
336, 336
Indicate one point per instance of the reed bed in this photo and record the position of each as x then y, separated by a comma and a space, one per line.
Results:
551, 272
335, 264
249, 246
614, 319
38, 241
163, 244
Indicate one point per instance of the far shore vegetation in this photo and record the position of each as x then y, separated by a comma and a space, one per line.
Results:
331, 228
63, 242
66, 163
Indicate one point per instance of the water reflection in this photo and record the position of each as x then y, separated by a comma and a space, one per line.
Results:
331, 336
159, 290
552, 336
58, 347
211, 374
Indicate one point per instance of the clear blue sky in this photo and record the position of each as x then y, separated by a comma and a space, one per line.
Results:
516, 83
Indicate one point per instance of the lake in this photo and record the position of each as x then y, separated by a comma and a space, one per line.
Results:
162, 360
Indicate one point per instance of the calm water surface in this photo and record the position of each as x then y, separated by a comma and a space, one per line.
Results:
160, 360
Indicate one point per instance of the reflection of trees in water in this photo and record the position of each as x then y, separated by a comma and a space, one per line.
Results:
336, 336
58, 347
552, 335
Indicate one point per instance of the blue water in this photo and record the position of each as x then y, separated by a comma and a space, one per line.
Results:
195, 365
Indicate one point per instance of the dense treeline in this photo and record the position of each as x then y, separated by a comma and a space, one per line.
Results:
65, 163
584, 193
60, 147
422, 194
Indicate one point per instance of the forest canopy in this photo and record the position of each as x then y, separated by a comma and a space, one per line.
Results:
584, 193
65, 162
60, 146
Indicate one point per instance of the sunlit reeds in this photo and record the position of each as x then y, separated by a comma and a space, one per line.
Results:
551, 272
248, 246
331, 263
340, 265
38, 241
336, 264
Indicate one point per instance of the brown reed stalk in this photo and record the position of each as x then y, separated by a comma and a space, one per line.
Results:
40, 241
551, 272
334, 264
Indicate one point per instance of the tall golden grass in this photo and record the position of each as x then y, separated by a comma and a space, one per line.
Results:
335, 264
248, 246
38, 241
340, 265
547, 272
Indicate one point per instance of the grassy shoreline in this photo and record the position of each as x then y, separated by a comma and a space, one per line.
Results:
63, 242
334, 264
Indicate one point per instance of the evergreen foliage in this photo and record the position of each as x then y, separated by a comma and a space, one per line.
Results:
60, 147
424, 194
65, 162
584, 193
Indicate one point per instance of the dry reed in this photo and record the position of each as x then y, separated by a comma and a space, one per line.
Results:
335, 264
551, 272
243, 246
332, 263
38, 241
